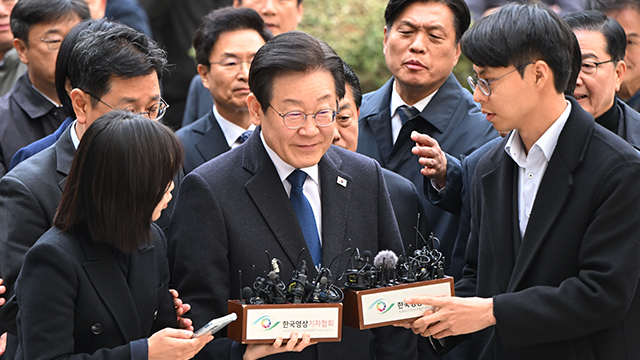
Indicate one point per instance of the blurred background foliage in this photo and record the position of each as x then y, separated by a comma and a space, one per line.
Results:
354, 29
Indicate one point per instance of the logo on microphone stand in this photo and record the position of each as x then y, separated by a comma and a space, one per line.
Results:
381, 306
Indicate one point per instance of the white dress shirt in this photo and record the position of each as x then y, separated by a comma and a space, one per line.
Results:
230, 130
311, 187
396, 102
533, 165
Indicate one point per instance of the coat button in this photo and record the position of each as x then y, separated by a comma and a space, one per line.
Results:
155, 315
96, 328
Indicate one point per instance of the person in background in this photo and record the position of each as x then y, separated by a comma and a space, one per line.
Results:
406, 202
421, 47
627, 14
225, 44
10, 65
602, 42
173, 24
32, 110
62, 88
279, 15
128, 12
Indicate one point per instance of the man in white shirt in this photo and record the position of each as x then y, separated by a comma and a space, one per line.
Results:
551, 264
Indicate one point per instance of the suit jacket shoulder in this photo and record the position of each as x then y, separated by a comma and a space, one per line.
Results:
203, 140
631, 120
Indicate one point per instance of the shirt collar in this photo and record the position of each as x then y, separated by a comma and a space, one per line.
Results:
284, 169
230, 130
74, 136
546, 143
46, 97
396, 100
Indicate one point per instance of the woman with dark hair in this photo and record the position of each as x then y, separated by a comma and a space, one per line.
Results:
95, 285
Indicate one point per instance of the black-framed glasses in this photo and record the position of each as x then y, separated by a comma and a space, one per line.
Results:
154, 112
232, 65
53, 45
295, 119
590, 68
484, 85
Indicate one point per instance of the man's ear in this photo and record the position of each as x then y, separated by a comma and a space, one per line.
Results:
21, 48
203, 71
384, 40
300, 13
255, 109
81, 102
542, 73
621, 71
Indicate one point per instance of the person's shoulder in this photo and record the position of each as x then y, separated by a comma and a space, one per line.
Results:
36, 169
374, 101
352, 162
194, 130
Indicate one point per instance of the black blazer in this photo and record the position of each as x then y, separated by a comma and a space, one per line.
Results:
234, 207
29, 197
74, 299
203, 140
568, 290
452, 118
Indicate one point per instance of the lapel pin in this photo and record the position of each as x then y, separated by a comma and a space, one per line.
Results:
342, 181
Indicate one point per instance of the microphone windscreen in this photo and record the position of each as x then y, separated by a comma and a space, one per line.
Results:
385, 260
247, 293
272, 275
366, 254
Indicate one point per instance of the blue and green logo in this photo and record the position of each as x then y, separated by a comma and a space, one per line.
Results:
381, 306
266, 323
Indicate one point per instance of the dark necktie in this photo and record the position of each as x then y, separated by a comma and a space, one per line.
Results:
245, 135
304, 212
407, 113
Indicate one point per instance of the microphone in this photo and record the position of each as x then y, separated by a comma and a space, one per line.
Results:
385, 261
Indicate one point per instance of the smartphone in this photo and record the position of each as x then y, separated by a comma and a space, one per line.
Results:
216, 324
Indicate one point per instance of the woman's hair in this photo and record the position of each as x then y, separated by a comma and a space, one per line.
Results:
118, 176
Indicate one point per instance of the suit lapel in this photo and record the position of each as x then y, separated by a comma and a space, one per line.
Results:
142, 267
65, 152
107, 279
336, 197
379, 119
213, 142
269, 196
497, 191
555, 188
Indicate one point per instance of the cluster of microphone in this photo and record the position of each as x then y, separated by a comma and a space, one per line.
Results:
388, 269
299, 290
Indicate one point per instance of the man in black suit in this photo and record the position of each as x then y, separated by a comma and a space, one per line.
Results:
421, 46
280, 16
125, 70
405, 199
225, 44
232, 208
552, 268
32, 110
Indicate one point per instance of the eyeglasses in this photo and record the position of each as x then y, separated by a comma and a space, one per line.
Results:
590, 68
53, 45
483, 84
232, 65
295, 119
155, 112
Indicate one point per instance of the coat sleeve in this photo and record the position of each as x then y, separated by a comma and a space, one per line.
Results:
198, 257
22, 221
45, 291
